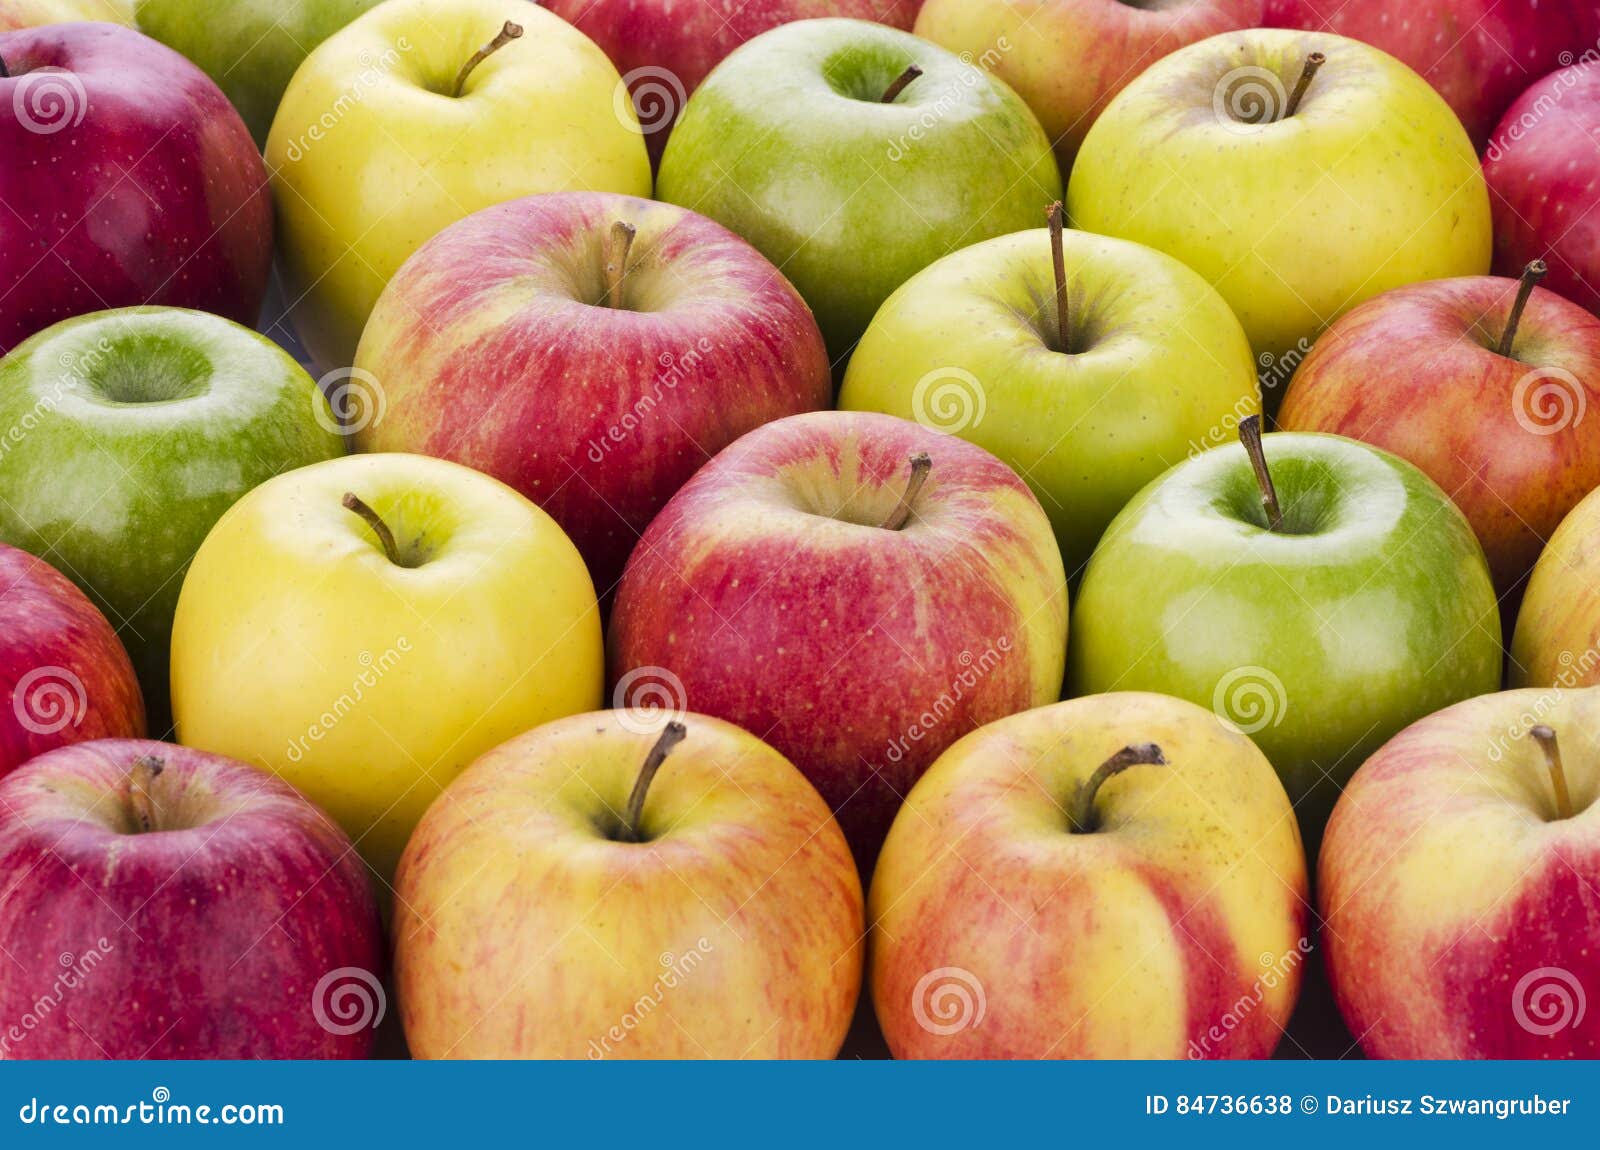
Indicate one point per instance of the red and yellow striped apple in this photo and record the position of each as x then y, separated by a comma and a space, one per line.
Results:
1557, 641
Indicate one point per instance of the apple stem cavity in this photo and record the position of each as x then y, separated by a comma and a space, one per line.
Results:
141, 778
1313, 62
509, 32
1546, 738
618, 243
673, 734
921, 464
901, 83
1531, 275
1250, 436
1082, 813
5, 73
1058, 256
353, 502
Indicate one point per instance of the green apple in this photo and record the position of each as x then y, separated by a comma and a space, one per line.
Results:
1366, 608
249, 47
854, 155
1139, 365
126, 436
417, 114
1297, 210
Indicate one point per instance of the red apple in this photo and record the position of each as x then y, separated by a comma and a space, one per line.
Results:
857, 590
128, 179
503, 345
664, 48
1457, 883
1543, 169
64, 675
160, 902
1423, 372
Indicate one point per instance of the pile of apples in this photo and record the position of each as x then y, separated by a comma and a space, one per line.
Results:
615, 603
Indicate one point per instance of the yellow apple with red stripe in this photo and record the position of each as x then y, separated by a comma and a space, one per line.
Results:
1118, 876
1557, 640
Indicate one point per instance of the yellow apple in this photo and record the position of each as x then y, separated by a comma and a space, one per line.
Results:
1557, 640
16, 14
374, 149
369, 681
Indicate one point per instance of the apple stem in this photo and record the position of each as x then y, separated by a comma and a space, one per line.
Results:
1313, 62
511, 31
618, 244
673, 734
1058, 256
1250, 436
921, 464
1531, 275
1084, 819
1546, 738
353, 502
146, 769
902, 82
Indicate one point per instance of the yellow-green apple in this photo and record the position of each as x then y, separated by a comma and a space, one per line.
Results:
1319, 611
165, 903
1067, 58
421, 112
622, 885
1481, 384
857, 590
854, 155
16, 14
1543, 170
1221, 156
1103, 878
1457, 884
1557, 640
129, 180
1089, 391
665, 48
365, 628
64, 677
127, 434
661, 338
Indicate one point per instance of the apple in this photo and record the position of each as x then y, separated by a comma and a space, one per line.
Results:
1258, 168
1088, 399
1102, 878
1481, 384
130, 180
16, 14
419, 113
616, 886
1557, 640
249, 48
366, 627
1543, 170
664, 48
1067, 58
855, 589
1478, 54
662, 337
855, 155
1457, 883
158, 902
1319, 609
63, 672
129, 433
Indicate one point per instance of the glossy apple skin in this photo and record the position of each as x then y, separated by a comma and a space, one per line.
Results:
16, 14
1543, 173
1557, 641
402, 162
789, 144
769, 590
64, 677
298, 646
1068, 58
618, 407
666, 47
129, 180
971, 346
1417, 372
1373, 608
1452, 890
742, 869
1134, 941
211, 932
1278, 216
